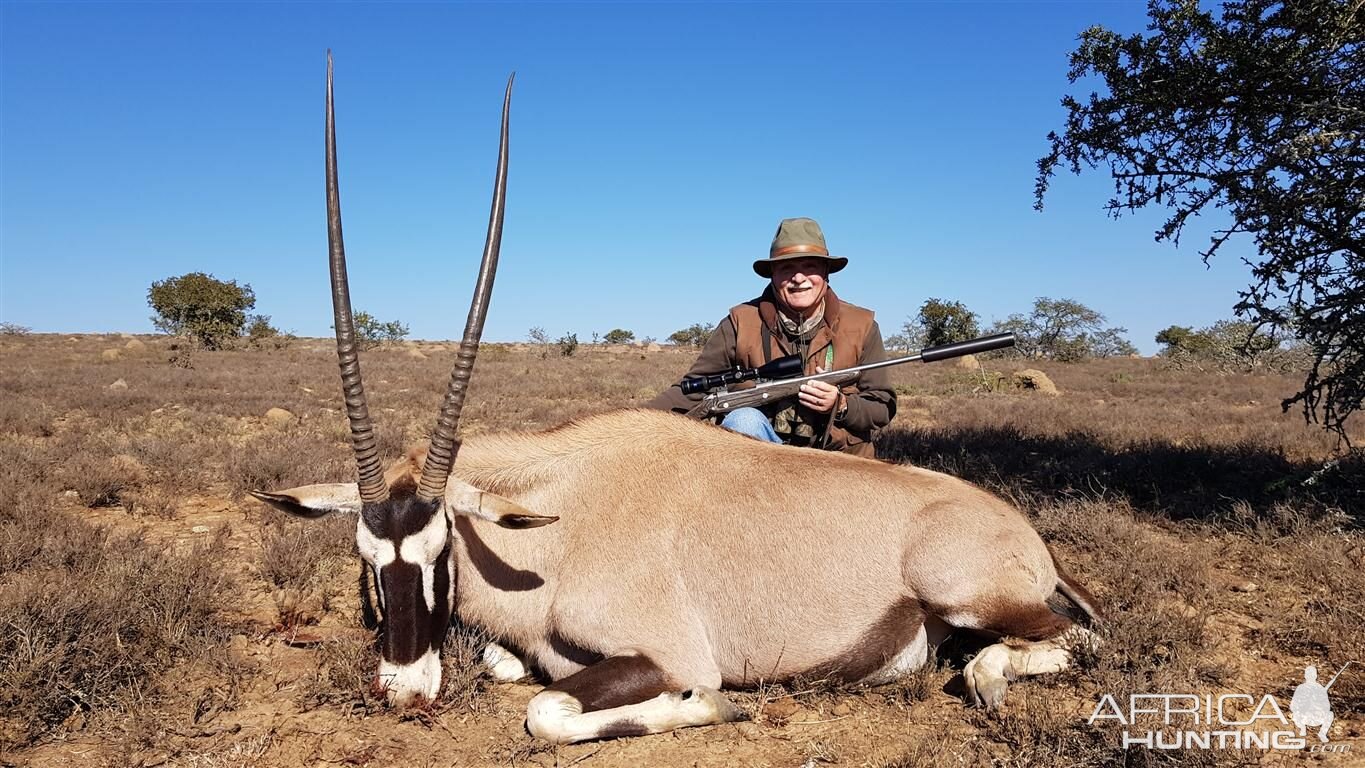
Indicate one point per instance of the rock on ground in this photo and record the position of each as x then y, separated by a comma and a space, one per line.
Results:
280, 416
111, 354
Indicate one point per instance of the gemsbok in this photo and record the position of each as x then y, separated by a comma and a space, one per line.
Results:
641, 561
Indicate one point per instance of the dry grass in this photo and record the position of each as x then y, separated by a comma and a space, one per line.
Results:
96, 628
1159, 489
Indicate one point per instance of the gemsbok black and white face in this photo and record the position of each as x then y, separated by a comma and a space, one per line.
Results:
403, 531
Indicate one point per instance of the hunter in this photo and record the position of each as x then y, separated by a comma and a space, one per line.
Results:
799, 314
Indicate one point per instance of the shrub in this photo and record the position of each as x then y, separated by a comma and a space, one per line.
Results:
370, 333
694, 335
568, 344
210, 311
619, 336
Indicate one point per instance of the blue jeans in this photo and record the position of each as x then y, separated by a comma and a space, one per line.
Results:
751, 422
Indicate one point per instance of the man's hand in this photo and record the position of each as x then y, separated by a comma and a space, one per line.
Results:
819, 396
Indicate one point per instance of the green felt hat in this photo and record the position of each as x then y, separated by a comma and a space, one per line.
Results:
798, 239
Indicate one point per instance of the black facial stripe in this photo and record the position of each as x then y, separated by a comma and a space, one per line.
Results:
440, 614
369, 596
397, 518
411, 627
407, 624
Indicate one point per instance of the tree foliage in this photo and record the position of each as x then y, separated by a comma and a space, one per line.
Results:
944, 322
568, 344
370, 333
694, 335
1065, 330
1231, 345
259, 332
619, 336
211, 311
1258, 111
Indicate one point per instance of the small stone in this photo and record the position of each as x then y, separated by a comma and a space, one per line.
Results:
111, 354
749, 731
134, 345
1244, 586
780, 709
280, 416
239, 644
200, 529
70, 495
118, 385
842, 709
968, 362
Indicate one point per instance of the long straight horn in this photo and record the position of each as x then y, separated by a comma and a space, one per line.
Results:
444, 445
372, 485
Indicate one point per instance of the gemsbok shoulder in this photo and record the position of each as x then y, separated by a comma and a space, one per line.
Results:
640, 561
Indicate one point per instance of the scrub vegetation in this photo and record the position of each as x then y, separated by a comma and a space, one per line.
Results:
153, 614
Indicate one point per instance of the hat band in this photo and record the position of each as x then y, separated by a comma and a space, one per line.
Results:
804, 248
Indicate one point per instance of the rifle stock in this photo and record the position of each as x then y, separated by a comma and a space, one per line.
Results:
724, 401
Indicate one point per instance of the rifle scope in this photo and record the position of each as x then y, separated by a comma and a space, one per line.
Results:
781, 368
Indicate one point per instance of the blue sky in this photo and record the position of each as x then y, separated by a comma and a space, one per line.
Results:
655, 146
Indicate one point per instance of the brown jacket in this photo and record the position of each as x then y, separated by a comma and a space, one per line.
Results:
855, 339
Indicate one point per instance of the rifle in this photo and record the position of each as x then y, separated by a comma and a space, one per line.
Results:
776, 384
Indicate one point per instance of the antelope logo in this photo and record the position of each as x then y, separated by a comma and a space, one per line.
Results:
1226, 721
639, 561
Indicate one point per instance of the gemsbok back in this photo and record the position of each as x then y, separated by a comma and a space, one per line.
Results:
641, 561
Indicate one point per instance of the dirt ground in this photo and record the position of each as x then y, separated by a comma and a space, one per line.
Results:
1198, 513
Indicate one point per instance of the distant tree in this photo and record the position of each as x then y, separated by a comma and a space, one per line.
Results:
259, 330
912, 335
1110, 342
945, 322
370, 333
14, 329
1232, 345
1173, 338
208, 310
897, 342
1254, 111
694, 335
619, 336
540, 338
1065, 330
568, 344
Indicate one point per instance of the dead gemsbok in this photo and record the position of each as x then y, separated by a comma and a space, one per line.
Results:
642, 561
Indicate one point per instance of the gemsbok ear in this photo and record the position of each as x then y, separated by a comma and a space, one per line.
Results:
314, 500
464, 499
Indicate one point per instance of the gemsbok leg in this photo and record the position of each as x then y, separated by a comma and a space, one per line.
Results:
988, 674
625, 695
1040, 637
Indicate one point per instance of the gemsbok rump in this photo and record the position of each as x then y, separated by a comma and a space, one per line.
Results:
641, 561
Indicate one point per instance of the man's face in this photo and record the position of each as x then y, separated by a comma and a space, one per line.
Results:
800, 283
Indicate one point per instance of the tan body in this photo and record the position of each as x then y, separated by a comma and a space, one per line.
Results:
724, 558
